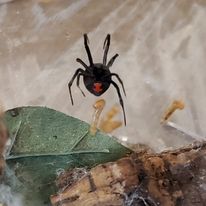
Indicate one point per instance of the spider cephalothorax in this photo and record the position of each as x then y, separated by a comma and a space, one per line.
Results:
97, 76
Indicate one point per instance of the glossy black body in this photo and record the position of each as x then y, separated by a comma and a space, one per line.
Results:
100, 75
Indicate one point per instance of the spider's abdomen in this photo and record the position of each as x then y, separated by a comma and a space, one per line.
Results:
98, 83
95, 87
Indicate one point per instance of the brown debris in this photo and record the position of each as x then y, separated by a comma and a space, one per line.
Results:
98, 107
107, 123
176, 104
171, 178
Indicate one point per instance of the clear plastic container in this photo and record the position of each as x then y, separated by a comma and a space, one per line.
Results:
161, 59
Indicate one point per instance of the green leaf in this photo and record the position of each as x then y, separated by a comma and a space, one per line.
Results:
45, 142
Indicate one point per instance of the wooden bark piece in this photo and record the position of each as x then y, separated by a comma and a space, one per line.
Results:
170, 178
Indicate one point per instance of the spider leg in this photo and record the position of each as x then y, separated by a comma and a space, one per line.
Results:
71, 82
106, 47
78, 78
82, 63
111, 61
120, 99
119, 79
86, 41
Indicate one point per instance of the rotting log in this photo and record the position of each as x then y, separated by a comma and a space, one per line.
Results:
170, 178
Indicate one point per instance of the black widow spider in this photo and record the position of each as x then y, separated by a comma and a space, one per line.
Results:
97, 76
